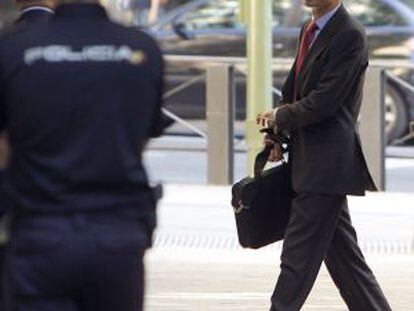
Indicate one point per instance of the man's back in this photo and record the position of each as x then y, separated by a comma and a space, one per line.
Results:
79, 110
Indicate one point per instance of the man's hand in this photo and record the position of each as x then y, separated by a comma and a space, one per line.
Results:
277, 152
266, 119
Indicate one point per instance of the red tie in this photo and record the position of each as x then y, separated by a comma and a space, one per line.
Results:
305, 44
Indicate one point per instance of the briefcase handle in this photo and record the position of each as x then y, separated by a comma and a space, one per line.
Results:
261, 160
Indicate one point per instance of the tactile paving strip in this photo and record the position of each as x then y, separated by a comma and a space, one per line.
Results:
217, 242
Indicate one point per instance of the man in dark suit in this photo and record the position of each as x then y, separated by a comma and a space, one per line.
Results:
320, 107
31, 13
80, 97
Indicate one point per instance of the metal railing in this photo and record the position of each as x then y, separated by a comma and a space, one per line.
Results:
240, 65
410, 88
221, 72
202, 64
174, 116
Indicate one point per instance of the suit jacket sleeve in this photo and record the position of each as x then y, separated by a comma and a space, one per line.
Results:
288, 88
347, 61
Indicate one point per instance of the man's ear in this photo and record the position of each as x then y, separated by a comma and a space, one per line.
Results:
52, 3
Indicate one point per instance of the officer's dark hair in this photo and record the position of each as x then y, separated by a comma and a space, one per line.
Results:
28, 3
78, 1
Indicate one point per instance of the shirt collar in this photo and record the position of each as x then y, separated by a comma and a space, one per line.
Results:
322, 21
37, 8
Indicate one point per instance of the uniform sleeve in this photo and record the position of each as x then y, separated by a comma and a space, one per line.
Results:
346, 63
157, 127
3, 114
159, 121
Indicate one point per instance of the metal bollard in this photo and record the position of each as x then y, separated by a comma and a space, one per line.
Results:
372, 124
220, 122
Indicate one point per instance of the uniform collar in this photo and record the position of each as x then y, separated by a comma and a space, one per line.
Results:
87, 11
34, 14
37, 9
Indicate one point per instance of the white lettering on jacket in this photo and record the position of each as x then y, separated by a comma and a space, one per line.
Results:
93, 53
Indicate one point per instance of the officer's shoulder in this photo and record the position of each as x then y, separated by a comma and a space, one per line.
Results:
16, 32
10, 32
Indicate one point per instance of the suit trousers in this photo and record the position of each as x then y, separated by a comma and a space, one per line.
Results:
81, 262
320, 229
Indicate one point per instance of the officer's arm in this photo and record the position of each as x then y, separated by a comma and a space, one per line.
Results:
2, 104
2, 113
157, 127
159, 121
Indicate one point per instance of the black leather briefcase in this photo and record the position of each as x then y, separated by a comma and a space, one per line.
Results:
262, 204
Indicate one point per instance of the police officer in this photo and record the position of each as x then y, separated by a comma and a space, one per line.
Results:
79, 97
31, 13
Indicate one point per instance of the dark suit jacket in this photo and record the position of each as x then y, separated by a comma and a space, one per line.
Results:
326, 154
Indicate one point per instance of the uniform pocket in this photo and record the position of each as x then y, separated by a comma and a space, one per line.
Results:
34, 241
121, 237
35, 234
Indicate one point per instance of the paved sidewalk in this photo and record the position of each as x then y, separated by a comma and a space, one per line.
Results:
205, 280
196, 263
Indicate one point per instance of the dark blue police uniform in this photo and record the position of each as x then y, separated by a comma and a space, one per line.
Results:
28, 17
79, 97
